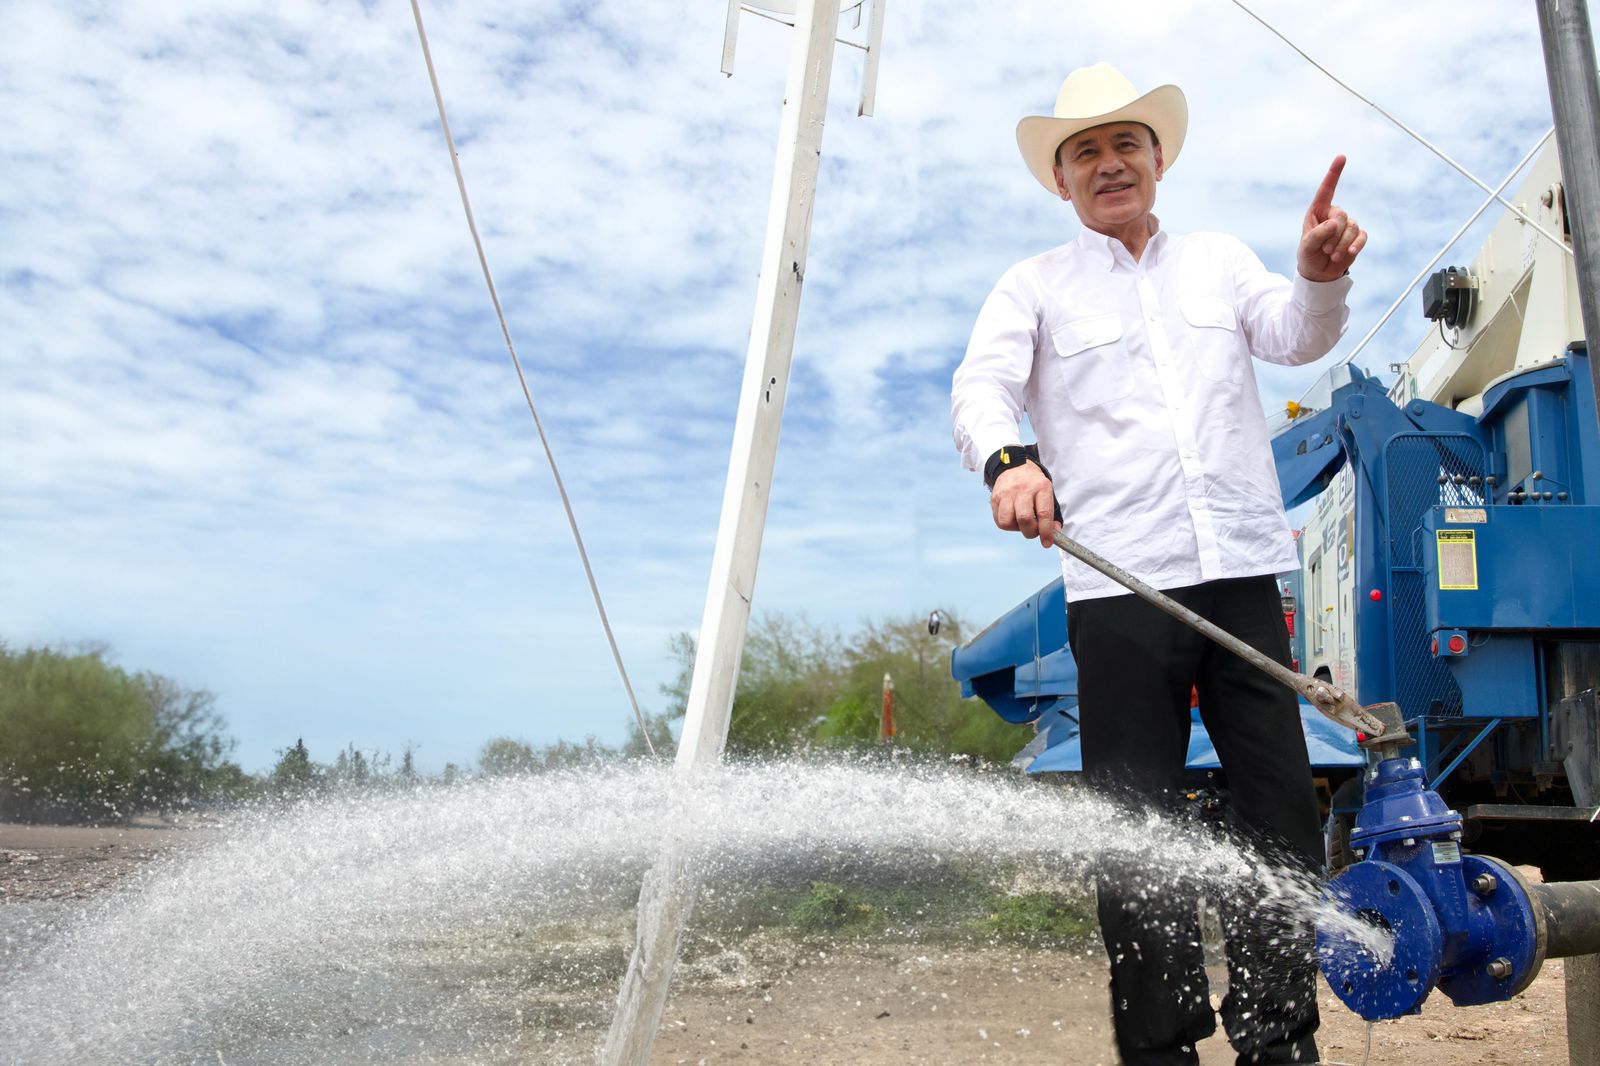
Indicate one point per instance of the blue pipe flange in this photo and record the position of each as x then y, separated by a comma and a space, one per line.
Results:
1509, 942
1381, 895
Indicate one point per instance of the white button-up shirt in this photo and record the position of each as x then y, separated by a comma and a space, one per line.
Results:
1137, 379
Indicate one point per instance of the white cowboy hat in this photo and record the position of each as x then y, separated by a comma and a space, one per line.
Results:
1095, 96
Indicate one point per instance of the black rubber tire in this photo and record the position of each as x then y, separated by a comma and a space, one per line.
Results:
1336, 830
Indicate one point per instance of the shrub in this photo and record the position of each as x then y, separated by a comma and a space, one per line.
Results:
1040, 917
828, 909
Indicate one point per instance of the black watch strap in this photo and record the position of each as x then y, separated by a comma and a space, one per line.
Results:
1008, 457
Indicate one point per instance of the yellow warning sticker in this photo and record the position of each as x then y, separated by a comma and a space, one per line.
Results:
1458, 559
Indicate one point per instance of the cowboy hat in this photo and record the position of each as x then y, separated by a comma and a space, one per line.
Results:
1095, 96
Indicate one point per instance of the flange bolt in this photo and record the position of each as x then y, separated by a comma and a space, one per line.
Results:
1485, 884
1499, 968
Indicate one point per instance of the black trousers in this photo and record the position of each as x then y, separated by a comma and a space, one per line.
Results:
1136, 667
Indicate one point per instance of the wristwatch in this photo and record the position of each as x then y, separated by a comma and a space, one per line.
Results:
1012, 455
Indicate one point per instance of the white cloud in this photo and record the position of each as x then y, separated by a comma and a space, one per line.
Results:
257, 425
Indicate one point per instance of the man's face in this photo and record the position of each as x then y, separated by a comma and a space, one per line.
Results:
1109, 173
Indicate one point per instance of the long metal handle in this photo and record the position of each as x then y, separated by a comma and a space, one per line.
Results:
1329, 699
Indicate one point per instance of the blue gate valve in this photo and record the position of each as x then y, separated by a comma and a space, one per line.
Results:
1417, 914
1461, 922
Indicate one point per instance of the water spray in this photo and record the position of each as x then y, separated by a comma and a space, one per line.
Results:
410, 927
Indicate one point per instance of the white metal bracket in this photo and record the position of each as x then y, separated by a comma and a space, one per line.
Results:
783, 11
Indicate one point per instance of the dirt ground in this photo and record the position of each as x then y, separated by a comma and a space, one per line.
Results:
893, 1005
876, 1004
54, 862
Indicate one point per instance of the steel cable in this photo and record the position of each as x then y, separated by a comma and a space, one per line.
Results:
494, 296
1419, 138
1451, 243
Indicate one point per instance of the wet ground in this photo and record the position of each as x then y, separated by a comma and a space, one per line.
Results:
772, 997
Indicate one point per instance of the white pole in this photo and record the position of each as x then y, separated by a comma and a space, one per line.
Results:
766, 383
730, 37
869, 69
667, 895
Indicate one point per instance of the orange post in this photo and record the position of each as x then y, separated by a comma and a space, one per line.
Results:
886, 724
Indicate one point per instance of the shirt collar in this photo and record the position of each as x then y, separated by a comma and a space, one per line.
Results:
1108, 251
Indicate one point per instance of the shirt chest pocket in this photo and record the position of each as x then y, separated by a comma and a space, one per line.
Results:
1214, 337
1092, 361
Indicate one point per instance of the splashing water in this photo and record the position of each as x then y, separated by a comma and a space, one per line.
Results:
376, 928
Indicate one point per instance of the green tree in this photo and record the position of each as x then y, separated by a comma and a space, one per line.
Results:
294, 772
800, 683
503, 756
563, 754
788, 678
929, 711
82, 739
407, 776
351, 770
190, 745
659, 726
852, 720
681, 646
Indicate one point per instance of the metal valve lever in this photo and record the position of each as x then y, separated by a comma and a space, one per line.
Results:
1331, 700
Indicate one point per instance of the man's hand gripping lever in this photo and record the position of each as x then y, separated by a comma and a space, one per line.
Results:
1022, 498
1327, 698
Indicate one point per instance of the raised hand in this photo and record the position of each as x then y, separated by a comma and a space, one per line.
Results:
1330, 240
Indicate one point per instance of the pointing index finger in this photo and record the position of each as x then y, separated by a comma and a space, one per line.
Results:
1321, 202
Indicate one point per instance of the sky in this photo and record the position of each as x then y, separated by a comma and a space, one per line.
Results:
258, 428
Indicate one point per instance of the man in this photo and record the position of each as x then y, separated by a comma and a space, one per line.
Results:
1129, 349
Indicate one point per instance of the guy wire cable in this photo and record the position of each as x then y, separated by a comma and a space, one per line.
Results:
1419, 138
1451, 243
494, 296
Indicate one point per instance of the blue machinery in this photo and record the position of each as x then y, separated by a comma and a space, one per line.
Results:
1476, 554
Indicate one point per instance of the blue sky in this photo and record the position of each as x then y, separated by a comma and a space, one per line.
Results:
258, 430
